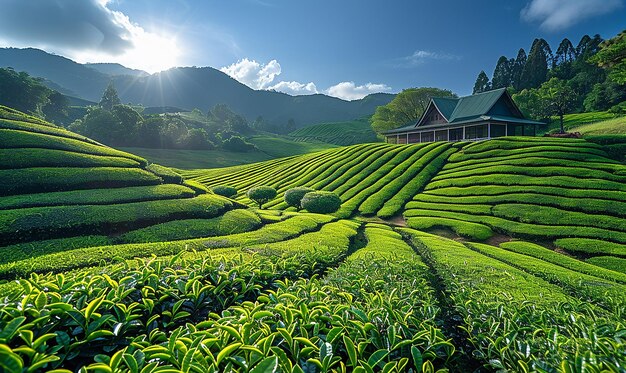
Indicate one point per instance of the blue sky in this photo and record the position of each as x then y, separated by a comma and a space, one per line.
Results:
344, 48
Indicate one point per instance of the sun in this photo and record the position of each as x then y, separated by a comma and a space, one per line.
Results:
152, 53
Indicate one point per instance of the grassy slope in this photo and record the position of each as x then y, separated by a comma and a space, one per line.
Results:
536, 188
358, 131
607, 127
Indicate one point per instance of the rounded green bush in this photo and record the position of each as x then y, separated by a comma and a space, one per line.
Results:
224, 190
293, 196
321, 202
261, 194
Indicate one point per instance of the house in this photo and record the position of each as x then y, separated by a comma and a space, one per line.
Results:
477, 117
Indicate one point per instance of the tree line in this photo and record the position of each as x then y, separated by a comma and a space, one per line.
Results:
116, 124
571, 79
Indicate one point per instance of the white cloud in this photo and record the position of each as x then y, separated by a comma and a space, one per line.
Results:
295, 88
422, 56
350, 91
253, 74
87, 31
261, 76
559, 14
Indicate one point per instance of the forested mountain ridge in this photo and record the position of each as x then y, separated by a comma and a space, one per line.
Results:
188, 87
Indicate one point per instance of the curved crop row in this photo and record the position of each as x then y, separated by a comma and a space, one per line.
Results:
520, 229
496, 301
12, 139
97, 196
90, 256
51, 222
588, 205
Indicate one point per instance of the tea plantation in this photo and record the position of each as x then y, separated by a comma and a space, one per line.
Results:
111, 264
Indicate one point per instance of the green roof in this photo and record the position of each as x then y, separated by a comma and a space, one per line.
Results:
475, 105
446, 105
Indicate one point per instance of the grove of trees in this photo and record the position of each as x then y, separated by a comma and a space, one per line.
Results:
116, 124
20, 91
590, 76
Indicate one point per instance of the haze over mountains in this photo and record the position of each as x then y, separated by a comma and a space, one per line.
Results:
185, 87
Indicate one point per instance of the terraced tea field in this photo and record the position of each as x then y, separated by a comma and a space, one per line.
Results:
114, 265
340, 133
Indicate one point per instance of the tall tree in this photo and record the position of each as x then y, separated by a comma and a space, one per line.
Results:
502, 75
109, 98
407, 107
518, 67
565, 53
536, 68
556, 98
482, 83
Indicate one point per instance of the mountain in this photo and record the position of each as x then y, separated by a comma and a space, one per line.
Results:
115, 69
187, 87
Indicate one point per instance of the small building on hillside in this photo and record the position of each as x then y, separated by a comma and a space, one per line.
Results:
477, 117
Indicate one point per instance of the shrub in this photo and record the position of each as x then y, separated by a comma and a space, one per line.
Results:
262, 194
294, 196
224, 190
321, 202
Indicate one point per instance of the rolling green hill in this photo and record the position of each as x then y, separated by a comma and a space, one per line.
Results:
340, 133
535, 188
112, 264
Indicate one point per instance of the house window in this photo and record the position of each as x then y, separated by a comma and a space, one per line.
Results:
476, 132
456, 134
498, 130
414, 137
428, 136
441, 135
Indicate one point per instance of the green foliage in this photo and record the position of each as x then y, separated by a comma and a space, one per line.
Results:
21, 139
591, 246
232, 222
97, 196
238, 144
293, 197
565, 261
482, 83
92, 256
22, 92
261, 194
109, 98
49, 222
321, 202
358, 131
407, 107
56, 179
556, 97
224, 190
487, 294
612, 56
609, 262
22, 158
471, 230
34, 249
165, 173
